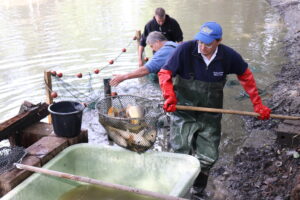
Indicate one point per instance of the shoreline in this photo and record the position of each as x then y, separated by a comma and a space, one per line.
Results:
263, 168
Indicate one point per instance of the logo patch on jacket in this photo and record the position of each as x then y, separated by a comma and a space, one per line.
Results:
218, 73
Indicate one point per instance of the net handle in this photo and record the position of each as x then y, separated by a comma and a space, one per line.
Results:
96, 182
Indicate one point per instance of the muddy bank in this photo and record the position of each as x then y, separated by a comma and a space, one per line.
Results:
264, 168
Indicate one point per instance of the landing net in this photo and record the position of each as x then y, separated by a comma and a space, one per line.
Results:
130, 121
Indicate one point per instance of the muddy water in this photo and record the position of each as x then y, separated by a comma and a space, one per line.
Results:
78, 36
89, 192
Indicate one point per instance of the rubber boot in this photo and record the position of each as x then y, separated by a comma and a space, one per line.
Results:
199, 186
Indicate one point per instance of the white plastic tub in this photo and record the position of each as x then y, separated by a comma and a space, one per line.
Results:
166, 173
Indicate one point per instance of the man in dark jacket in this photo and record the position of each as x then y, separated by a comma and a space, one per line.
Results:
163, 23
200, 68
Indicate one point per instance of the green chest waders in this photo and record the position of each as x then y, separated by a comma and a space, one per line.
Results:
197, 132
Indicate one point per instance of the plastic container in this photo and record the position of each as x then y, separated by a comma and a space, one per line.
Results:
162, 172
66, 118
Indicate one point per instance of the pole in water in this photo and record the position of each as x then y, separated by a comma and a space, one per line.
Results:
107, 88
107, 93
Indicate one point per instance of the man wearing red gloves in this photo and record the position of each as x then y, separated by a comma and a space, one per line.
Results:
200, 68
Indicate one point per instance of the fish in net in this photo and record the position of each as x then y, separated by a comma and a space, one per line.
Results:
130, 121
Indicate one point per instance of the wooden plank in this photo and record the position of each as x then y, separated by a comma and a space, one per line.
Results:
81, 138
39, 130
34, 132
22, 120
48, 86
47, 148
14, 177
38, 154
138, 36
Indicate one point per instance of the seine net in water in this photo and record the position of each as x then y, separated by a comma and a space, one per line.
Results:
130, 121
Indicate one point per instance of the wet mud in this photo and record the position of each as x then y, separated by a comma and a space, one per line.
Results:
264, 168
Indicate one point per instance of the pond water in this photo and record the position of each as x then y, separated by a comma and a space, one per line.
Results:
72, 36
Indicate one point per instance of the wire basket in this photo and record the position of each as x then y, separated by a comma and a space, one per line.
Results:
130, 121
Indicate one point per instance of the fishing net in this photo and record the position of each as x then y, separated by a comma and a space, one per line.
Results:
130, 121
9, 156
86, 86
89, 86
71, 88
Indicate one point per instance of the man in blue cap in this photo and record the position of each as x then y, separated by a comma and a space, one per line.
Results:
200, 68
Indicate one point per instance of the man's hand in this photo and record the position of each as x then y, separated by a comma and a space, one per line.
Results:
117, 79
140, 62
141, 71
166, 85
170, 104
248, 82
263, 110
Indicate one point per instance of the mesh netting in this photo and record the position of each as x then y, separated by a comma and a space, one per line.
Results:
9, 156
87, 89
130, 121
83, 87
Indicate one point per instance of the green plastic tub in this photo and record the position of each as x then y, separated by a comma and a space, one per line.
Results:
162, 172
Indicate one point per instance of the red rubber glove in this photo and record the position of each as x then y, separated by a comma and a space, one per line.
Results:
166, 85
248, 82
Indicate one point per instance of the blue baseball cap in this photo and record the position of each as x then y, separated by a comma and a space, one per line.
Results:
209, 32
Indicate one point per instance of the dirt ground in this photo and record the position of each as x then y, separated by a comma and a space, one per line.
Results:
264, 168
